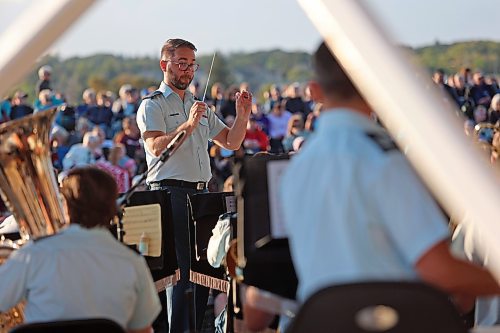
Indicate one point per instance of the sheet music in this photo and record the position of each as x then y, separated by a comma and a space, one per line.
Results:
231, 204
147, 219
274, 172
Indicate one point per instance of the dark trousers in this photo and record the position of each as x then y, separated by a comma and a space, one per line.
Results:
160, 325
179, 320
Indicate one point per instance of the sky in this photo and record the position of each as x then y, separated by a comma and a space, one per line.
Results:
139, 28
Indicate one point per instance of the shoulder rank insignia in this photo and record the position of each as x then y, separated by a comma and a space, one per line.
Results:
383, 141
153, 94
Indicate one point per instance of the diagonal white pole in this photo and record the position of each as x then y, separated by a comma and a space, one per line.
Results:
405, 99
31, 34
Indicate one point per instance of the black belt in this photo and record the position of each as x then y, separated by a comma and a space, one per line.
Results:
182, 183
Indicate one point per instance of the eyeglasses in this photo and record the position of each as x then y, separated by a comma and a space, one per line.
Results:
183, 66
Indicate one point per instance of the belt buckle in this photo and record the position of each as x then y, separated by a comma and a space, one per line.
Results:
200, 186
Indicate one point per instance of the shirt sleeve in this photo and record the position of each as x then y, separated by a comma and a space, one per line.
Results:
150, 116
13, 277
409, 212
148, 305
215, 124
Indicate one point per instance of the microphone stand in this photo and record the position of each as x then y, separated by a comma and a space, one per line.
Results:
124, 199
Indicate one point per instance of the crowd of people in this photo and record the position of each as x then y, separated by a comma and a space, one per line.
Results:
102, 129
125, 134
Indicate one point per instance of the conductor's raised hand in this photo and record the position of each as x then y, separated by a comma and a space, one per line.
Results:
244, 104
198, 110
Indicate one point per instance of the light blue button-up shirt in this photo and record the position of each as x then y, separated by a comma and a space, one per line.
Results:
165, 113
80, 273
354, 209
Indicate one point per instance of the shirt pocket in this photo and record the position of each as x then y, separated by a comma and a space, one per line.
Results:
173, 121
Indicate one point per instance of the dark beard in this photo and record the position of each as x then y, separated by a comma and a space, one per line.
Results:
175, 81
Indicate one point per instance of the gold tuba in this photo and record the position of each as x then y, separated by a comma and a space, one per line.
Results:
28, 187
27, 181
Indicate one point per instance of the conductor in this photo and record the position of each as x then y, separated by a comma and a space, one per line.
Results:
164, 113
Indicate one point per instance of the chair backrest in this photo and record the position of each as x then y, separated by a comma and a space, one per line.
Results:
389, 307
94, 325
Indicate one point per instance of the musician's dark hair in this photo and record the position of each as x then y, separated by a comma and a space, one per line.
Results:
90, 195
173, 44
330, 74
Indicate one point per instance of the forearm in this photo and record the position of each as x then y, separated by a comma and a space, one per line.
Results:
458, 277
160, 142
236, 134
469, 279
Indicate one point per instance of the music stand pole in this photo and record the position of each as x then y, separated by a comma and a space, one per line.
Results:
124, 199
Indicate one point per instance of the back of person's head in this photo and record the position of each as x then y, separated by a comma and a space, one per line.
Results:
495, 103
90, 196
331, 76
91, 140
168, 49
116, 153
44, 70
45, 96
89, 95
124, 90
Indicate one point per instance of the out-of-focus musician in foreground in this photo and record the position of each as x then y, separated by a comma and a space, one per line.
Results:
82, 271
355, 210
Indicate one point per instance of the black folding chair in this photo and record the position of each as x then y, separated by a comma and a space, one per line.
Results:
71, 326
389, 307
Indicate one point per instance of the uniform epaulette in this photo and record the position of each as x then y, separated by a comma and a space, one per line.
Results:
152, 95
383, 141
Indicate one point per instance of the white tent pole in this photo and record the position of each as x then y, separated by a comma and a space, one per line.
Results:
409, 105
32, 33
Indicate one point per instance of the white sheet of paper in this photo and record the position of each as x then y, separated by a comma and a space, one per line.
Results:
147, 219
274, 172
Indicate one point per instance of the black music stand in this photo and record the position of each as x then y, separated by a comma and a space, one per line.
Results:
265, 260
204, 210
163, 268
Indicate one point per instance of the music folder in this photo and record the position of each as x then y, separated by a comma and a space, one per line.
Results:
204, 210
263, 250
164, 268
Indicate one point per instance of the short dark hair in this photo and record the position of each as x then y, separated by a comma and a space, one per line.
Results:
90, 195
173, 44
330, 74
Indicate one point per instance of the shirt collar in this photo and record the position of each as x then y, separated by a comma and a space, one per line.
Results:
74, 228
167, 91
344, 118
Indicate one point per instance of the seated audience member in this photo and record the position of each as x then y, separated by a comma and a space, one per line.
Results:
112, 165
362, 214
130, 138
89, 102
20, 107
255, 138
46, 99
82, 271
260, 118
295, 129
494, 111
82, 154
278, 122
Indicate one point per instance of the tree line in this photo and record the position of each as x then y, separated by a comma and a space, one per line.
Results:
260, 69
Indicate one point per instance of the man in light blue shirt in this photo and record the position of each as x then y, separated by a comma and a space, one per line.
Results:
161, 116
82, 271
354, 208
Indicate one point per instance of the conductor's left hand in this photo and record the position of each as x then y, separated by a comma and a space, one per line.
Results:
244, 104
